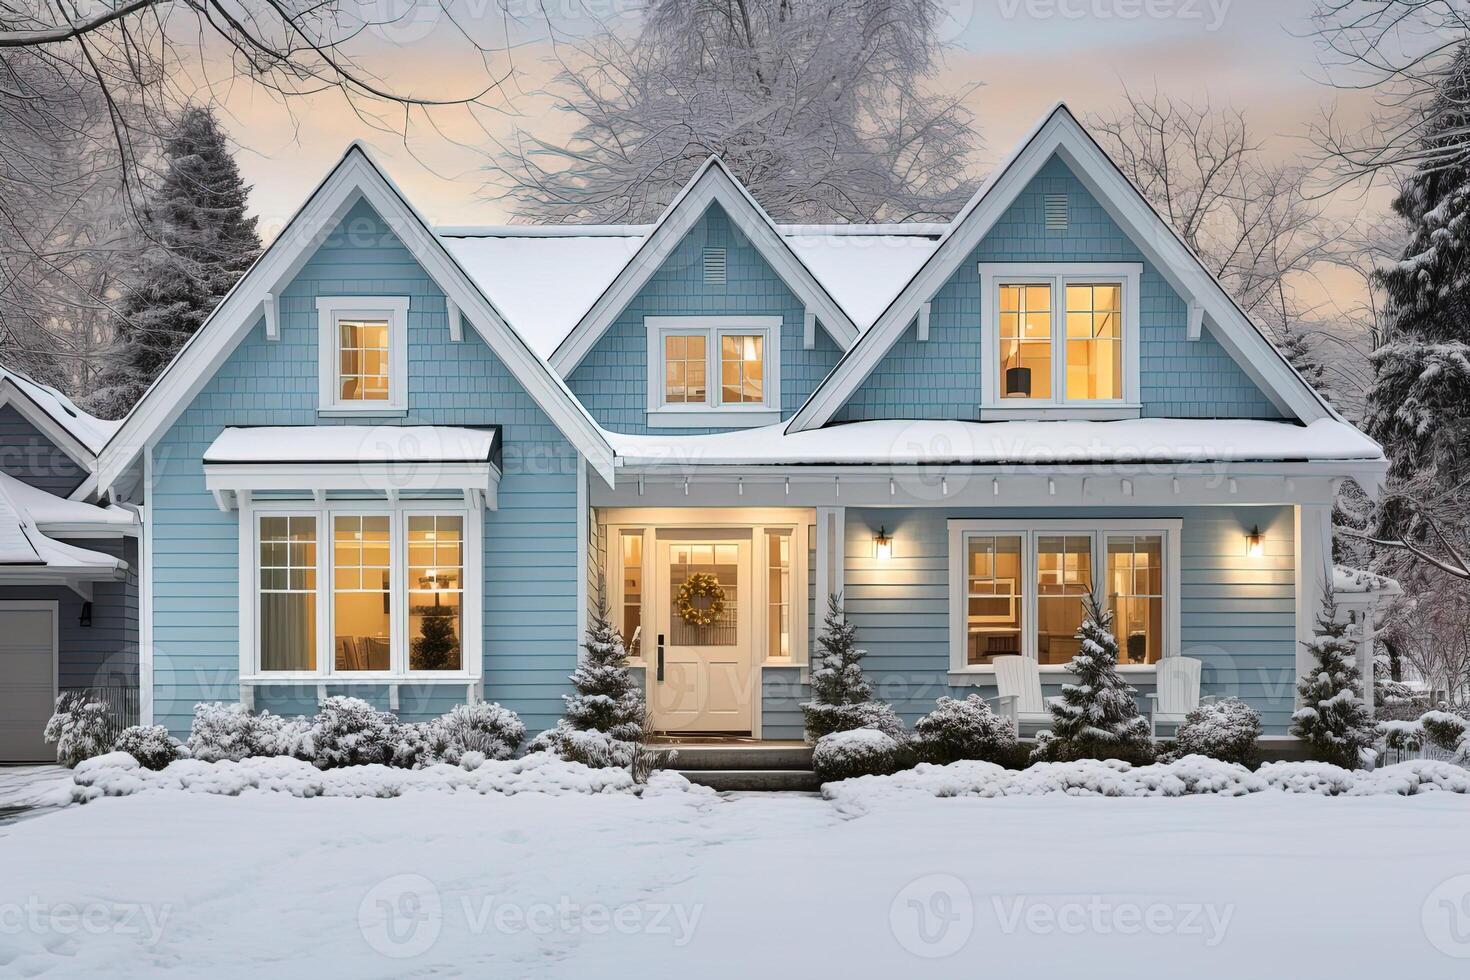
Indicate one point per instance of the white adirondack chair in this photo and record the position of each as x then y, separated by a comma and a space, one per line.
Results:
1177, 692
1018, 683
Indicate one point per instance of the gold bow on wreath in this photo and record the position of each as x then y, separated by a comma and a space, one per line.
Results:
700, 585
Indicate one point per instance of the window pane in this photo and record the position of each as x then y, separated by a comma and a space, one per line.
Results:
633, 592
362, 616
363, 359
741, 369
1025, 341
1063, 577
1136, 592
993, 596
1094, 341
778, 594
684, 369
287, 608
436, 592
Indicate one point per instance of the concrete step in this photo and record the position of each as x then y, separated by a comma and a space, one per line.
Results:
713, 758
755, 780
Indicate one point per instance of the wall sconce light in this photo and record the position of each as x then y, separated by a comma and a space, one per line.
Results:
85, 619
882, 545
1253, 542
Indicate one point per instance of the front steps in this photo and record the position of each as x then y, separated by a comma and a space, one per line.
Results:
748, 766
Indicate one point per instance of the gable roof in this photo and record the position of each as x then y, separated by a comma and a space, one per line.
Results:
1060, 134
355, 177
712, 183
79, 435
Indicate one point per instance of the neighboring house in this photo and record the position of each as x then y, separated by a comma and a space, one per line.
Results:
399, 463
68, 569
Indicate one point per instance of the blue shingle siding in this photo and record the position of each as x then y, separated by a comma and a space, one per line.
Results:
612, 380
1237, 613
940, 378
530, 542
29, 456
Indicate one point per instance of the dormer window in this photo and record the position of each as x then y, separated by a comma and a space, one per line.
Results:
1060, 341
363, 354
713, 371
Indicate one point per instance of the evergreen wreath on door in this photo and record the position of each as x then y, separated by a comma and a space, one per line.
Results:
700, 585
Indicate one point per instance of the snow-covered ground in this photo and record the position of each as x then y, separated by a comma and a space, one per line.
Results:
532, 885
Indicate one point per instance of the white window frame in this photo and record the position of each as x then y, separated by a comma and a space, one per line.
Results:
332, 309
398, 514
961, 530
712, 413
1058, 275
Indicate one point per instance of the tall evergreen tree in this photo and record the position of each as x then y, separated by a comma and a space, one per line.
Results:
1302, 355
202, 242
1096, 717
1333, 719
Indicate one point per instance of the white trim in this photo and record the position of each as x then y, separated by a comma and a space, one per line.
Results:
330, 310
1062, 135
355, 178
272, 317
1313, 560
712, 183
383, 477
145, 595
584, 541
712, 412
1171, 528
922, 330
456, 321
1057, 275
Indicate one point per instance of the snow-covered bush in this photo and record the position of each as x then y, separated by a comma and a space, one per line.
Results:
965, 729
1333, 720
229, 730
842, 698
151, 745
81, 727
348, 731
857, 752
1097, 716
1226, 730
484, 727
1443, 729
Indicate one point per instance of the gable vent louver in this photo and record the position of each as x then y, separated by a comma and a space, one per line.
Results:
714, 266
1055, 206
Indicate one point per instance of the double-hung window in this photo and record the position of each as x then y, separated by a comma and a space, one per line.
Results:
1060, 340
1017, 588
363, 356
716, 371
364, 591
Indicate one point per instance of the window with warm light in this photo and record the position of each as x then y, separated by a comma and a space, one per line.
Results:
362, 616
632, 598
994, 586
778, 595
1025, 340
717, 371
742, 367
287, 593
686, 367
435, 592
364, 353
1136, 595
1063, 580
1094, 341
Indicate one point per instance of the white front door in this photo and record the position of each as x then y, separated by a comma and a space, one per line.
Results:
701, 678
27, 679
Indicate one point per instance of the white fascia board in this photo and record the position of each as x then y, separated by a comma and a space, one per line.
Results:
375, 476
1061, 134
12, 395
354, 178
711, 184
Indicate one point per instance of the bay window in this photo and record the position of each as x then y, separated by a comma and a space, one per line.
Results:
1017, 588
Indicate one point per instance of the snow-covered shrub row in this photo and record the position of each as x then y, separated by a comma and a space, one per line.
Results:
1438, 728
118, 774
1192, 775
966, 729
857, 752
81, 727
1226, 730
231, 731
151, 745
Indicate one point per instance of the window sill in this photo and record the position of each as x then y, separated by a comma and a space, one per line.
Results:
1093, 413
340, 679
712, 418
376, 411
985, 674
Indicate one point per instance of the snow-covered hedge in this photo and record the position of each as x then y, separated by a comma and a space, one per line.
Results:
119, 774
1441, 729
485, 727
1192, 775
857, 752
1226, 730
151, 745
963, 729
81, 727
230, 731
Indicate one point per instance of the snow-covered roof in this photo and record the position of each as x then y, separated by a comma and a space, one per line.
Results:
88, 430
1001, 443
25, 551
296, 444
50, 512
545, 278
1354, 581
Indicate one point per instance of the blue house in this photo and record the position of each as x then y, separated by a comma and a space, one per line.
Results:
402, 462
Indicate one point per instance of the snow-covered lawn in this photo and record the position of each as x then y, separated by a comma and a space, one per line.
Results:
685, 885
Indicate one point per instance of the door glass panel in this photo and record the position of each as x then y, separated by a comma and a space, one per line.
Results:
721, 562
778, 595
633, 592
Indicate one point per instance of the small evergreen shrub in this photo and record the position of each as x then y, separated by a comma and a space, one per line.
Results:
151, 745
81, 728
1226, 730
1333, 720
966, 729
842, 698
229, 731
857, 752
348, 731
484, 727
1443, 729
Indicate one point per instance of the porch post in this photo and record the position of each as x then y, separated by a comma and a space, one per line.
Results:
831, 535
1313, 562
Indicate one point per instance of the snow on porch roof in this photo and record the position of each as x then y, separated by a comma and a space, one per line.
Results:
347, 444
1000, 443
544, 278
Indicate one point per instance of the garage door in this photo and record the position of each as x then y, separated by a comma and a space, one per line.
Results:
27, 680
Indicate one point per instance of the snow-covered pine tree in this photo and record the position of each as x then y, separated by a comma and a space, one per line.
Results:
1333, 719
202, 241
1097, 715
842, 698
1302, 355
603, 722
